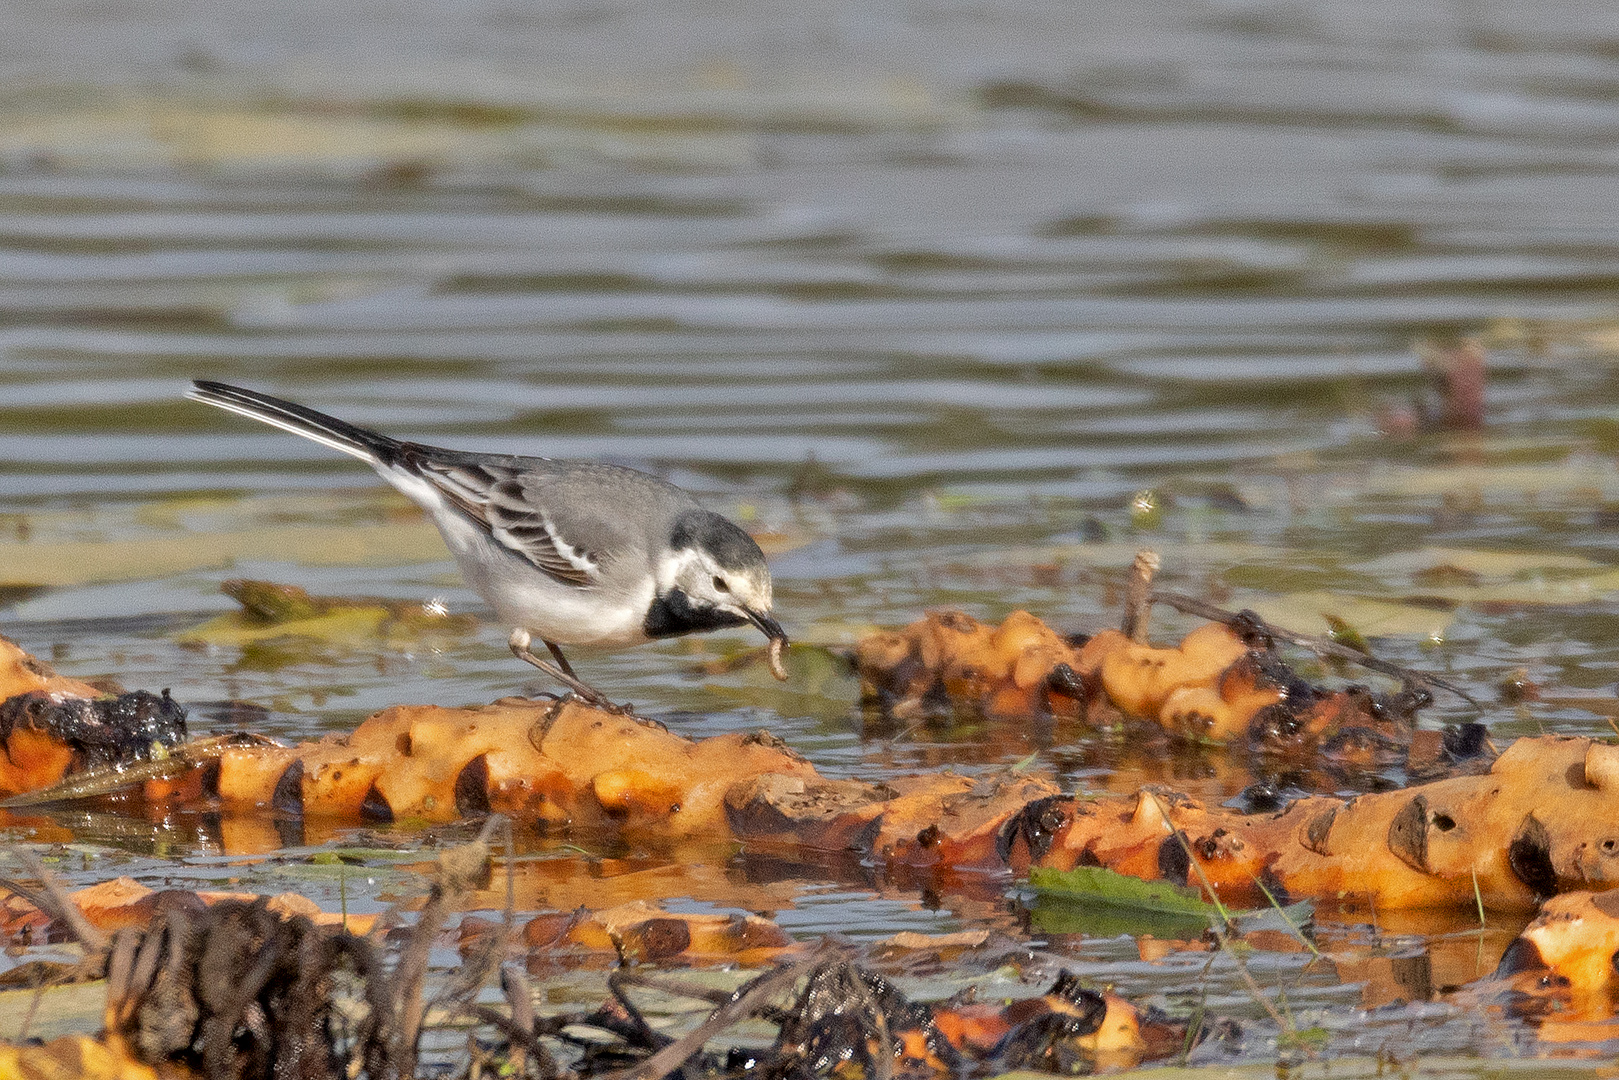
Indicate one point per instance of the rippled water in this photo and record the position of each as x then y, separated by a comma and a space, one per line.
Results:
924, 294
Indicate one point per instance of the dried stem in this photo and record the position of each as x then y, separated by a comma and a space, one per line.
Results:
1138, 595
54, 901
1319, 645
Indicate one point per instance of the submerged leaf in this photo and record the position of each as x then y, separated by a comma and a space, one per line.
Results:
1101, 902
240, 628
51, 1011
271, 610
1375, 618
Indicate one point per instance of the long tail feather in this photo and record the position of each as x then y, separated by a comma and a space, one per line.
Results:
368, 446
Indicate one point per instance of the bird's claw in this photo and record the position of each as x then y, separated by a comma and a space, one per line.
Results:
597, 701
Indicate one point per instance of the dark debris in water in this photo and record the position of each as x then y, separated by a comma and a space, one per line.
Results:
237, 990
102, 731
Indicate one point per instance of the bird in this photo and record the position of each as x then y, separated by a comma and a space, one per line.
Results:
565, 552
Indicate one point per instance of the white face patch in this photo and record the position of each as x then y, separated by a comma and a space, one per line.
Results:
750, 592
696, 574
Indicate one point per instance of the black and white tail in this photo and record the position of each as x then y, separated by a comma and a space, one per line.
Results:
368, 446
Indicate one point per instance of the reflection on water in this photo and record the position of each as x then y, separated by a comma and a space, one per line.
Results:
924, 295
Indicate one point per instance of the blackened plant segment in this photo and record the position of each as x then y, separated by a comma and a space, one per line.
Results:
101, 731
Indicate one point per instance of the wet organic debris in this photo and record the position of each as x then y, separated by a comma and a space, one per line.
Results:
1223, 683
836, 1017
1534, 825
1573, 943
848, 1016
51, 727
245, 988
44, 736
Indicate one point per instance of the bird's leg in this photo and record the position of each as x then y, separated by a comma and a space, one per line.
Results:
562, 661
562, 671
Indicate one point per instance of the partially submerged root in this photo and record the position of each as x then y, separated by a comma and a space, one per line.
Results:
1224, 683
644, 933
1536, 824
275, 612
560, 763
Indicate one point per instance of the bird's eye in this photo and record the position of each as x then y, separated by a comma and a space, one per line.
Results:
719, 584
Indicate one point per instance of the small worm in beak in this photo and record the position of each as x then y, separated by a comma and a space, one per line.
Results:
778, 645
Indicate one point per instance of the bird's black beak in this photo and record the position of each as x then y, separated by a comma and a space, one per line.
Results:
767, 623
778, 640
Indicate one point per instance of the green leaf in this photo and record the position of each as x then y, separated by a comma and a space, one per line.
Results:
1099, 902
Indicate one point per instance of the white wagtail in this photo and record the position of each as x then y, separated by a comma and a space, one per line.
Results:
570, 552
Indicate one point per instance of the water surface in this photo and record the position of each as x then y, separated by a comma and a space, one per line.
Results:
925, 295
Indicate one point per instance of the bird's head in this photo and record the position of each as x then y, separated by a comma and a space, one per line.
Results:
712, 576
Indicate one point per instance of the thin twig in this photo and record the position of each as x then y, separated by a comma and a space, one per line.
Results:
521, 1001
1169, 827
1195, 1023
1321, 646
764, 988
55, 902
1277, 904
644, 1034
409, 975
1256, 993
514, 1031
1230, 927
33, 1007
108, 779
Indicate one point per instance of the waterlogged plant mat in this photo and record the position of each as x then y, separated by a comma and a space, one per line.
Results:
538, 886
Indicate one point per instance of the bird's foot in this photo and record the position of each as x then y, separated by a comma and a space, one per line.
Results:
596, 701
577, 687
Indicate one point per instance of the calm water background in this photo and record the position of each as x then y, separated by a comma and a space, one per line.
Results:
925, 293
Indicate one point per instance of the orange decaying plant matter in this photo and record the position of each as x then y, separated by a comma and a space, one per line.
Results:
1223, 683
1536, 824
